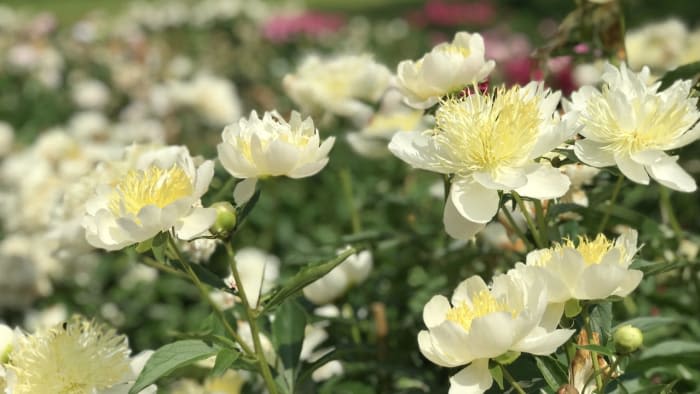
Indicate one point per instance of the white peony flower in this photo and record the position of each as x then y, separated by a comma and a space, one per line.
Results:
591, 270
90, 93
354, 270
481, 323
259, 272
314, 335
630, 124
213, 97
77, 353
161, 192
580, 175
447, 68
340, 85
256, 148
658, 45
490, 143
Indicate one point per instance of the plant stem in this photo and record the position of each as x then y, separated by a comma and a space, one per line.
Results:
594, 355
528, 218
160, 266
541, 222
667, 207
250, 316
515, 227
346, 181
514, 384
205, 294
611, 203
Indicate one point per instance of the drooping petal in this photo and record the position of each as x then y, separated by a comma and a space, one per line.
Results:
196, 223
244, 190
671, 175
632, 170
416, 149
545, 183
474, 379
456, 225
540, 342
593, 154
473, 201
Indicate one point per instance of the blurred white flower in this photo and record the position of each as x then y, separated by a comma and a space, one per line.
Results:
199, 250
77, 353
489, 142
161, 192
231, 382
340, 85
45, 318
659, 45
267, 347
481, 323
90, 93
630, 124
255, 148
580, 175
213, 97
589, 270
259, 272
353, 271
314, 335
25, 271
447, 68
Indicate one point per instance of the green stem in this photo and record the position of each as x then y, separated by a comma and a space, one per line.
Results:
515, 227
594, 355
528, 218
250, 316
346, 181
541, 222
611, 203
160, 266
513, 383
205, 294
667, 207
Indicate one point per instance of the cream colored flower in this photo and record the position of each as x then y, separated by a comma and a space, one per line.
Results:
482, 322
630, 124
489, 143
589, 270
213, 97
78, 356
259, 272
160, 193
447, 68
354, 270
340, 85
658, 45
256, 148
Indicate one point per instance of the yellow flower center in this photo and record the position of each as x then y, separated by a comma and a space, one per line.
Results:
455, 49
78, 357
592, 251
653, 123
482, 304
153, 186
403, 121
487, 132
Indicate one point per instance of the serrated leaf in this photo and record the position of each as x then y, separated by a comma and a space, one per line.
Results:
169, 358
552, 371
288, 336
224, 359
306, 276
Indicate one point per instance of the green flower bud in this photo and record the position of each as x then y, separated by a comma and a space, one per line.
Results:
225, 218
628, 339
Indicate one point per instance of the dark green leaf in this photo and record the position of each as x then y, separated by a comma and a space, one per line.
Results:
158, 246
686, 71
306, 276
287, 336
224, 360
597, 348
144, 246
497, 375
169, 358
601, 320
552, 371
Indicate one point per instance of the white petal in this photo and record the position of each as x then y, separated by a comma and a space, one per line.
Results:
425, 345
473, 201
491, 335
450, 339
281, 157
474, 379
599, 281
632, 170
506, 179
467, 289
435, 310
457, 226
541, 342
205, 173
416, 149
671, 175
593, 154
196, 223
544, 183
244, 190
630, 282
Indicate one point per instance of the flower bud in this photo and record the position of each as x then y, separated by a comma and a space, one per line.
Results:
225, 218
627, 339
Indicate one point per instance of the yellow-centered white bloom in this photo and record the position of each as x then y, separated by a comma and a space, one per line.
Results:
489, 142
447, 68
354, 270
75, 357
160, 193
591, 269
629, 123
340, 85
257, 148
481, 322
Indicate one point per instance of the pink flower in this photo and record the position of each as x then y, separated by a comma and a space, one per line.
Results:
285, 28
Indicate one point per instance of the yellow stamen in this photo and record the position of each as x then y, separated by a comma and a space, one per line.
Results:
153, 186
483, 304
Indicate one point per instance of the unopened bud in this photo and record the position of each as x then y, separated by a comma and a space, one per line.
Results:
628, 339
225, 218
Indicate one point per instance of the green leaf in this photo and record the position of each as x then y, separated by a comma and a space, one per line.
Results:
601, 320
243, 213
287, 336
649, 322
224, 360
169, 358
306, 276
672, 348
686, 71
597, 348
497, 375
144, 246
158, 246
572, 308
552, 371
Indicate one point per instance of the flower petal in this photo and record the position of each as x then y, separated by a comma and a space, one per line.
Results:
474, 379
196, 223
244, 190
491, 335
473, 201
541, 342
632, 170
544, 183
456, 225
671, 175
593, 154
435, 310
